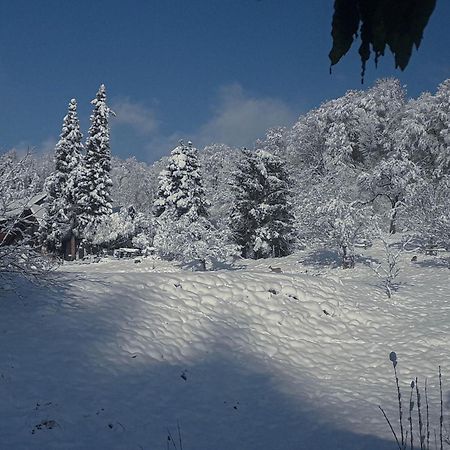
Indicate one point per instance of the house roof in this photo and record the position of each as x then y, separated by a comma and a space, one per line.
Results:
35, 204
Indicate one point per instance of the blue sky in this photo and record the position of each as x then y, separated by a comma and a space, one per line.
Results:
206, 70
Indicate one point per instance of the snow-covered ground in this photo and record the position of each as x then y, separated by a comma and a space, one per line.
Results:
245, 359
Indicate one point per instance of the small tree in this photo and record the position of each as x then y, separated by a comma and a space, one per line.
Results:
389, 268
341, 222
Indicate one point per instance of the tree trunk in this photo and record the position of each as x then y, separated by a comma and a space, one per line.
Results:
348, 261
431, 247
393, 223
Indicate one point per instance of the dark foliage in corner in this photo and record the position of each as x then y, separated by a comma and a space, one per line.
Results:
398, 24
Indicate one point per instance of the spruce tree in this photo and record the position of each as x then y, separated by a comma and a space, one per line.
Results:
247, 192
93, 189
180, 188
183, 229
60, 214
261, 220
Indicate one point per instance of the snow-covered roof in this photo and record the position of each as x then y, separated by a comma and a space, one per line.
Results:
34, 204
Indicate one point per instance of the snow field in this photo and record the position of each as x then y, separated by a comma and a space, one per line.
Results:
243, 359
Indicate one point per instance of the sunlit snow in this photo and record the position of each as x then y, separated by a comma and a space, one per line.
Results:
241, 359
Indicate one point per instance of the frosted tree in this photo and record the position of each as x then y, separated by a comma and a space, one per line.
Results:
261, 220
192, 238
183, 229
19, 257
442, 127
218, 163
392, 179
120, 228
135, 183
180, 187
429, 211
274, 142
18, 178
423, 132
248, 194
340, 221
93, 187
349, 131
61, 209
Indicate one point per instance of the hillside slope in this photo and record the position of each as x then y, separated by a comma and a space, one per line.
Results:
243, 359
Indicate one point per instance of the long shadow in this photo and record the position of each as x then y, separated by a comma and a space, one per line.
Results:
434, 263
322, 258
53, 372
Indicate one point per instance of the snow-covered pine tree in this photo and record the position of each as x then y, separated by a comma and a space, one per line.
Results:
180, 187
183, 230
93, 187
261, 219
60, 214
247, 195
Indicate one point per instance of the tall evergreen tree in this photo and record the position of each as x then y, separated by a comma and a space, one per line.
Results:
60, 215
93, 189
261, 220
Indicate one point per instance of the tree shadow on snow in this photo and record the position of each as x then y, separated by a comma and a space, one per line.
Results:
322, 258
433, 263
368, 261
102, 397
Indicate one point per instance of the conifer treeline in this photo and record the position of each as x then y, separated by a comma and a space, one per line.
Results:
79, 189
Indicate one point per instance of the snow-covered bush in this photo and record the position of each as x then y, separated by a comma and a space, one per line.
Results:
189, 239
119, 229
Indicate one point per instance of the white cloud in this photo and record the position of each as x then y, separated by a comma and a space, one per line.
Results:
239, 119
135, 115
162, 145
